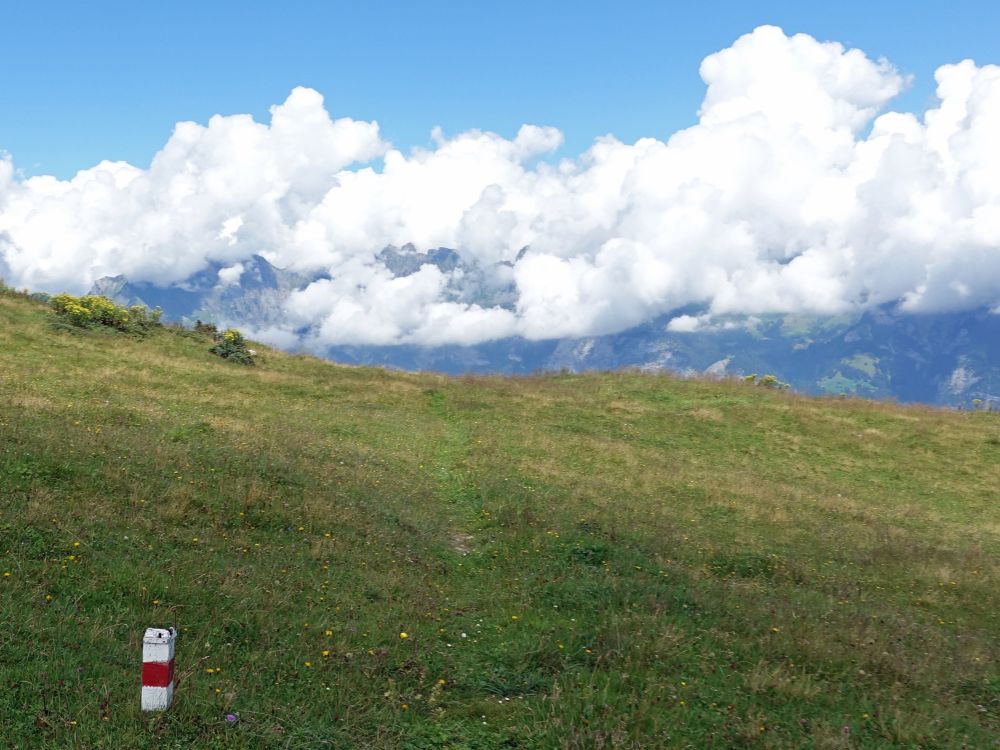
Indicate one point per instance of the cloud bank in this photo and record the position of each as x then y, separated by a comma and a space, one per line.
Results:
792, 193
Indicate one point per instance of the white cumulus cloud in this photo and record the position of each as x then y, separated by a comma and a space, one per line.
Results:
796, 191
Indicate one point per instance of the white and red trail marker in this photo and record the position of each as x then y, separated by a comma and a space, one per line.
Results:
158, 668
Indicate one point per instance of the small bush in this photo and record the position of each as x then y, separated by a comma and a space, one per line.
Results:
9, 291
208, 329
771, 381
231, 345
767, 381
93, 311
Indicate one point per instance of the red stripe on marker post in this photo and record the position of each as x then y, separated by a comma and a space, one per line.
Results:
158, 668
157, 674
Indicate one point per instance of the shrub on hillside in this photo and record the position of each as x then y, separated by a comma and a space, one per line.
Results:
93, 311
208, 329
767, 381
9, 291
231, 345
771, 381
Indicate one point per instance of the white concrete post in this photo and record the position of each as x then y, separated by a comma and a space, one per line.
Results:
158, 668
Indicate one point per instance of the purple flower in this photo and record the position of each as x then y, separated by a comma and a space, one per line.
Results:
231, 718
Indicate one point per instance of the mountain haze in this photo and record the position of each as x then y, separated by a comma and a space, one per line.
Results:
941, 358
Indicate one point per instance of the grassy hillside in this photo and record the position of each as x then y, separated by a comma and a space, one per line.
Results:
597, 561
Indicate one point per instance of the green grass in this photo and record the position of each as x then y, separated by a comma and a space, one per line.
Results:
866, 363
599, 561
838, 384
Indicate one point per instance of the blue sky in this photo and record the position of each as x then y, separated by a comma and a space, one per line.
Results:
81, 82
789, 193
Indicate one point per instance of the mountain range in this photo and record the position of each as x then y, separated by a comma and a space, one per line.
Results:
948, 359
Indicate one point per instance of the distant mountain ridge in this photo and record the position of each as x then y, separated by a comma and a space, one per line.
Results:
256, 296
943, 358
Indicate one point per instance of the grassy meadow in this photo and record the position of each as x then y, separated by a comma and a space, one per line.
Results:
363, 558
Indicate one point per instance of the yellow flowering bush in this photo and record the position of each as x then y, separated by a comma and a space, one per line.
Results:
231, 345
771, 381
767, 381
92, 310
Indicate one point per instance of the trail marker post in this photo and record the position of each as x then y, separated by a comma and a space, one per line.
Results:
158, 668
